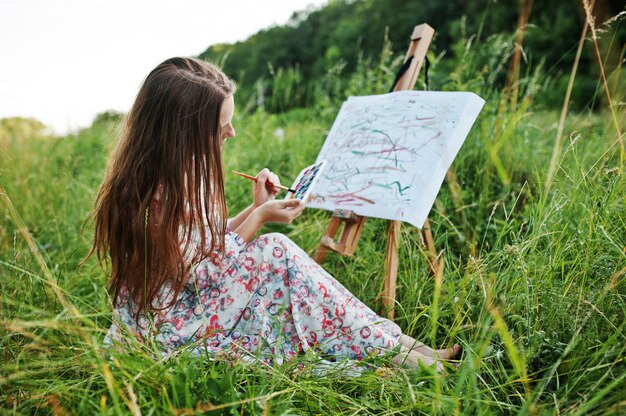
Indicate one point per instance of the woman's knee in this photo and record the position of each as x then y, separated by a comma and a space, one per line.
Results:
275, 245
269, 239
278, 238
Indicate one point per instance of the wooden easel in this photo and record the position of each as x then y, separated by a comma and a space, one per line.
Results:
353, 223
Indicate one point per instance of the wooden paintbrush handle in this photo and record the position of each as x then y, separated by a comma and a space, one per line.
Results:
267, 184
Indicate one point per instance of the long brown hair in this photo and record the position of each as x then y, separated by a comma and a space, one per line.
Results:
169, 149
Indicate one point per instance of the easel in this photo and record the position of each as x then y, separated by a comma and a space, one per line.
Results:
353, 223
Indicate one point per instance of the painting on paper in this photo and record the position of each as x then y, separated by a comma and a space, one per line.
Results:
388, 154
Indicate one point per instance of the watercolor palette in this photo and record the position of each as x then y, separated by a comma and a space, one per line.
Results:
304, 183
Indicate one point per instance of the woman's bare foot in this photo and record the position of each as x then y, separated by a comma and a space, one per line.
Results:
414, 345
444, 354
449, 353
414, 358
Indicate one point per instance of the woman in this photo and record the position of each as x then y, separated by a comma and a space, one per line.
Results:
182, 274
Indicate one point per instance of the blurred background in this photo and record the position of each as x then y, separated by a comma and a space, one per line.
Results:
65, 61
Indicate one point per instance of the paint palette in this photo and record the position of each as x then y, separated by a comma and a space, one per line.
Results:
306, 180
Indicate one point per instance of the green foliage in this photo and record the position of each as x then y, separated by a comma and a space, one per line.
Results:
344, 34
13, 129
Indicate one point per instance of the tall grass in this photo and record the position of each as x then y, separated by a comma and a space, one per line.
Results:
533, 286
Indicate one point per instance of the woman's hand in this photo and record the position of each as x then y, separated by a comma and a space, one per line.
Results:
283, 211
264, 189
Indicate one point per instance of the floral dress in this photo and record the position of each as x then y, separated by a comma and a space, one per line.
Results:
266, 299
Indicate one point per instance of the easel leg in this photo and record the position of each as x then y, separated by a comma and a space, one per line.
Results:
331, 231
391, 269
433, 261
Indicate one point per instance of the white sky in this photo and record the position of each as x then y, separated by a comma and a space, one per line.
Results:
64, 61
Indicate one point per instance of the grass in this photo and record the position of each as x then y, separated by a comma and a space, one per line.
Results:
533, 286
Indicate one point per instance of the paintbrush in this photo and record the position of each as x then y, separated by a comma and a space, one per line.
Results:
268, 184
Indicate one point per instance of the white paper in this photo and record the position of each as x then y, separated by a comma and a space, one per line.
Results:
393, 150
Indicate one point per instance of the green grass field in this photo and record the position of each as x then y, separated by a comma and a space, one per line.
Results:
533, 286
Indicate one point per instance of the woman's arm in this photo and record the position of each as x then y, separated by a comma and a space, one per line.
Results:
235, 222
284, 211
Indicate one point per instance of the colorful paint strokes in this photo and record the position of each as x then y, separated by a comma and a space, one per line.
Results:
393, 149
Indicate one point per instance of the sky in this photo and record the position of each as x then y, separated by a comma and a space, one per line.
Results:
64, 61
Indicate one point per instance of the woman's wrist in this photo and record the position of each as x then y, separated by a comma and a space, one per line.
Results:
250, 225
258, 216
236, 221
